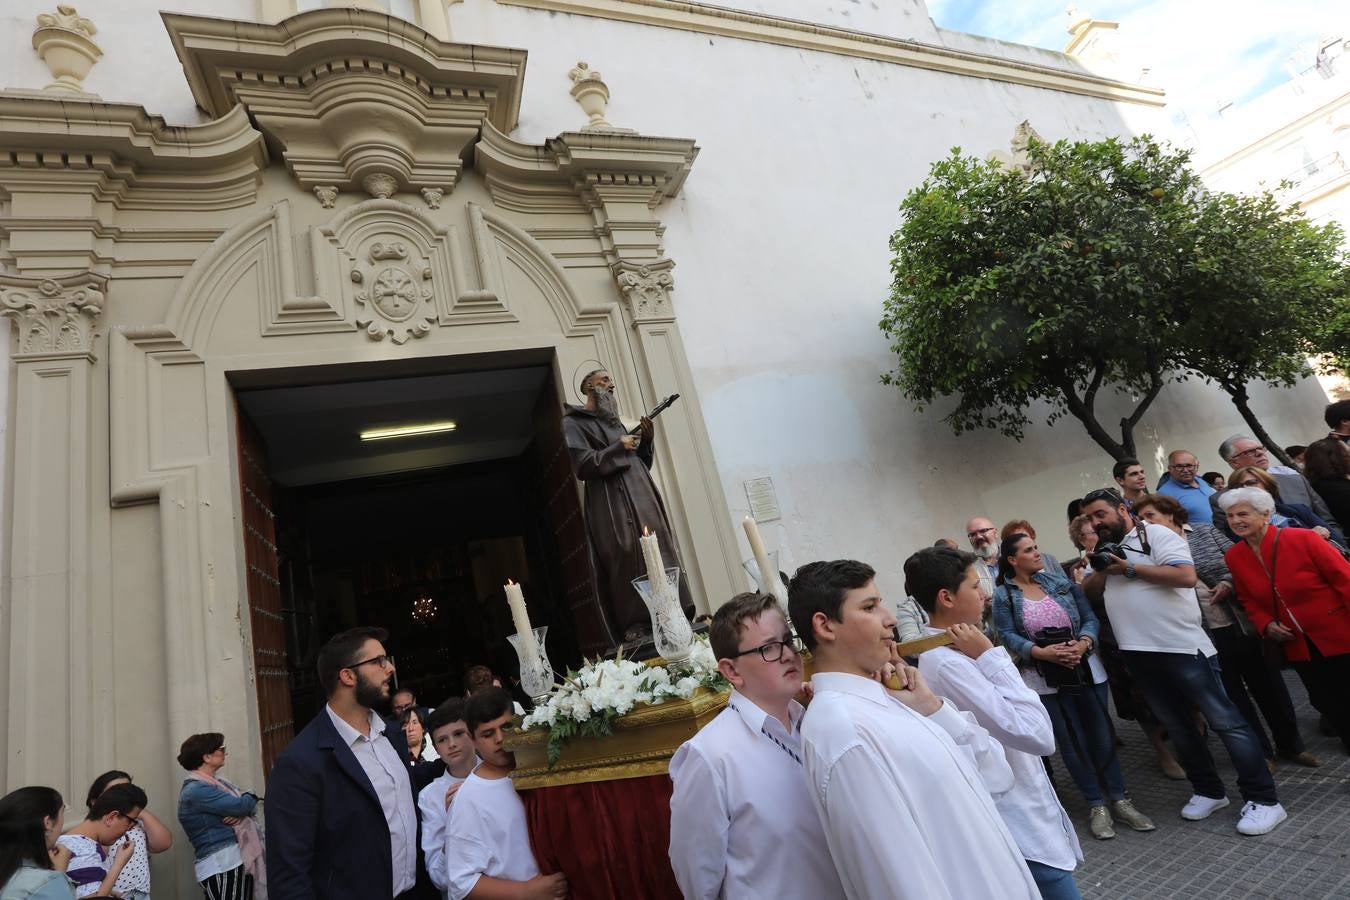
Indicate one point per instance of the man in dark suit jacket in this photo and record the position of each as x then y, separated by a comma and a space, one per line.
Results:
341, 815
1241, 450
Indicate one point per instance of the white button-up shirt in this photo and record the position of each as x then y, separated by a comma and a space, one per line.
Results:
742, 824
990, 689
431, 804
905, 798
389, 776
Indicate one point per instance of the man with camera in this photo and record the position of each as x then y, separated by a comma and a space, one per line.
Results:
1147, 578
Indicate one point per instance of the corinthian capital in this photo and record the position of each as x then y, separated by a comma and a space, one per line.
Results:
53, 316
646, 286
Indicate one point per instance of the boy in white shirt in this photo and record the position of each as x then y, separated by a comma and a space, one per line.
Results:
900, 778
487, 843
450, 739
982, 679
742, 823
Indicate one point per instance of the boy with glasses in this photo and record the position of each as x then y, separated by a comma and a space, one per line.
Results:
112, 815
742, 824
900, 778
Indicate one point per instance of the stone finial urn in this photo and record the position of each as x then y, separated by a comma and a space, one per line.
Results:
591, 94
64, 40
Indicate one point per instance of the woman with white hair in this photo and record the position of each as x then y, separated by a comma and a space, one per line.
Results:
1295, 587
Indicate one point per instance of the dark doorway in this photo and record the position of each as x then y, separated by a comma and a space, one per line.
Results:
418, 533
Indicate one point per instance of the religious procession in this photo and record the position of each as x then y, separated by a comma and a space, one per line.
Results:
927, 478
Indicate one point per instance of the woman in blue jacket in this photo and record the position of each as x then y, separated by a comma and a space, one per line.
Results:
218, 819
1046, 624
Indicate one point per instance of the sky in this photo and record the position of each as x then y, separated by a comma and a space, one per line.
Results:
1203, 53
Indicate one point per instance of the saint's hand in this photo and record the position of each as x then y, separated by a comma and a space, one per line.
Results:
970, 640
647, 429
547, 887
630, 441
1278, 633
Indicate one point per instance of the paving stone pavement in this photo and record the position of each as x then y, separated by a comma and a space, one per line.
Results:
1307, 857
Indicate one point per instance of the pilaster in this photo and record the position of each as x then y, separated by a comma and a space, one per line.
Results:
55, 633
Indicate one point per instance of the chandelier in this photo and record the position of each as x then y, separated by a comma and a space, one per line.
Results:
424, 610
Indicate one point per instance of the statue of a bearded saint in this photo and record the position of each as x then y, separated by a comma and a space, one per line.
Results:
621, 499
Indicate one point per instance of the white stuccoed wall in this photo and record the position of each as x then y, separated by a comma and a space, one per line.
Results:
781, 237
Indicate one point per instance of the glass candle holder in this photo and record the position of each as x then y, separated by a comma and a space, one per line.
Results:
536, 673
775, 584
671, 632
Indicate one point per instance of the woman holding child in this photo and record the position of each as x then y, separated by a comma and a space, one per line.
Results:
1046, 623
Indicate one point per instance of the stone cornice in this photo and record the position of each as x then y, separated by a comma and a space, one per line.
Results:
354, 99
708, 19
574, 169
126, 156
306, 48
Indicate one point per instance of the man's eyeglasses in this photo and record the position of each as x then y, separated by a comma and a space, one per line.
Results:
772, 651
1184, 467
384, 661
974, 534
1250, 451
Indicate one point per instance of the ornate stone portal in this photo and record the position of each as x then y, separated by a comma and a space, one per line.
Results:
409, 227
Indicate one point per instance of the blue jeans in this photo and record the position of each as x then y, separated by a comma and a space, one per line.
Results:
1172, 683
1055, 884
1086, 743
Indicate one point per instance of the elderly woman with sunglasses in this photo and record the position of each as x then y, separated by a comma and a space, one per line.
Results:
1295, 587
218, 819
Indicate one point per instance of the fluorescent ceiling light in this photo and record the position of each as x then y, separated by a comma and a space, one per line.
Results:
398, 431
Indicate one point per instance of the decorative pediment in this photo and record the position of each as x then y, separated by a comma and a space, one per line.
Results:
351, 98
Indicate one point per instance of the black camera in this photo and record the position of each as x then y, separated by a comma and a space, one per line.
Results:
1100, 558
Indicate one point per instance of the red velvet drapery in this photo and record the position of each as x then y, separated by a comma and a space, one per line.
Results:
610, 838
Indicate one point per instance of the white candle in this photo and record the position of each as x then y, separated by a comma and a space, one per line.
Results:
515, 598
656, 567
768, 576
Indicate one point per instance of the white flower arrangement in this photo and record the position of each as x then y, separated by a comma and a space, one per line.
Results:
589, 699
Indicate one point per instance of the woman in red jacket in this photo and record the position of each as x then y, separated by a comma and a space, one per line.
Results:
1296, 590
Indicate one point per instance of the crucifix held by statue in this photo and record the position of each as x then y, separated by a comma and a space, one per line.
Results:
620, 500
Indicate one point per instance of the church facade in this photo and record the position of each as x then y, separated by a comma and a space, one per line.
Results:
224, 224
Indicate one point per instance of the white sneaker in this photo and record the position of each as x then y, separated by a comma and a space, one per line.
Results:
1198, 807
1260, 819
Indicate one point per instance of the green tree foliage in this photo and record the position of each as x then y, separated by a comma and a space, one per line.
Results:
1097, 265
1263, 299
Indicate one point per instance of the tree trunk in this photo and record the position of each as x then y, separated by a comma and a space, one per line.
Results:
1082, 409
1239, 395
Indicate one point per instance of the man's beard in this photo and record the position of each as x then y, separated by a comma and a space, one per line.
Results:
988, 551
372, 694
606, 407
1111, 532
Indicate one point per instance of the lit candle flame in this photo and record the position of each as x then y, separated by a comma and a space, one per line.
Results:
646, 531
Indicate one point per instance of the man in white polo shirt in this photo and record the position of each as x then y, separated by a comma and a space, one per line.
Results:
1149, 588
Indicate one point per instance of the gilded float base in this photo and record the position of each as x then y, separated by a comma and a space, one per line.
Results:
642, 744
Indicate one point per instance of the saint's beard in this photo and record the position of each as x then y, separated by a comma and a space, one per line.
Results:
606, 406
373, 694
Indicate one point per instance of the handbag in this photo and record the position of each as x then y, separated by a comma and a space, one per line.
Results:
1061, 678
1273, 650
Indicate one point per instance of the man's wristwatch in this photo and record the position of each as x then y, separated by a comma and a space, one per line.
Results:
1129, 571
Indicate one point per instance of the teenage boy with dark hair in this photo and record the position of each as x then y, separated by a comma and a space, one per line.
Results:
981, 679
742, 825
487, 844
112, 814
900, 778
453, 744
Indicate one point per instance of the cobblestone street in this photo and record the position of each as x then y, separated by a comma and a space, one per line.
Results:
1306, 857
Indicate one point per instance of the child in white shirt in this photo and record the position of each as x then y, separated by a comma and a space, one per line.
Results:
452, 743
487, 843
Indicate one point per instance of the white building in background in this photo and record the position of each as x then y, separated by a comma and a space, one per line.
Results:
230, 220
1293, 140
